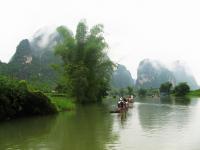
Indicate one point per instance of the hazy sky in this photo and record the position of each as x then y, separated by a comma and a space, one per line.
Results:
166, 30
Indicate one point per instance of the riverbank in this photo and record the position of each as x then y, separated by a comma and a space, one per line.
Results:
62, 102
195, 93
18, 100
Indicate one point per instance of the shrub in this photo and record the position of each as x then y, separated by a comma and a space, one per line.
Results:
142, 92
182, 89
166, 87
16, 100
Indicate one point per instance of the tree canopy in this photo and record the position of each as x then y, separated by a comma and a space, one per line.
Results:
87, 68
130, 90
142, 92
182, 89
16, 100
166, 87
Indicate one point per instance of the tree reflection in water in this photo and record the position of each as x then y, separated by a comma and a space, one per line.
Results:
26, 133
155, 116
87, 128
90, 128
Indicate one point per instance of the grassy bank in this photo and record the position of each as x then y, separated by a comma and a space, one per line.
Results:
62, 102
194, 93
16, 100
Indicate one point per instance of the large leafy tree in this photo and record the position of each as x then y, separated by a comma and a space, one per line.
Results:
142, 92
182, 89
87, 69
166, 87
130, 90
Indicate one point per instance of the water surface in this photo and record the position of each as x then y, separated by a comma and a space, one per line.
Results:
153, 123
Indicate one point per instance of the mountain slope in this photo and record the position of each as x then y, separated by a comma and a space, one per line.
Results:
151, 74
182, 74
122, 77
33, 61
30, 64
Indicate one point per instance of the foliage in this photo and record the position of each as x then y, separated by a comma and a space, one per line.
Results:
16, 100
130, 90
142, 92
182, 89
62, 102
114, 92
32, 65
194, 93
87, 69
166, 87
122, 92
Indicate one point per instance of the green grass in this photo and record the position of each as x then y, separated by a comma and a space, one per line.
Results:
63, 103
194, 93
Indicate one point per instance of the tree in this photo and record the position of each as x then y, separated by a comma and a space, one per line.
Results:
130, 90
87, 68
122, 92
182, 89
166, 87
142, 92
17, 100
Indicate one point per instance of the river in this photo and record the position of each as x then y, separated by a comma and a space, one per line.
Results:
152, 124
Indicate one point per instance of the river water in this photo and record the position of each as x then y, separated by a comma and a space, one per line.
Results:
152, 124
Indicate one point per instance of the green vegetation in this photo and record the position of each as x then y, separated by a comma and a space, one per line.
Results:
17, 100
166, 88
194, 93
87, 68
130, 90
182, 89
62, 102
122, 91
152, 92
142, 92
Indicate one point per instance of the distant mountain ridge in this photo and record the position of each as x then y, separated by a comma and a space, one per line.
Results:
34, 58
33, 65
182, 74
152, 73
122, 77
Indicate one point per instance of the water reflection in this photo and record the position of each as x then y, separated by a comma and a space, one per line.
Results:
90, 128
25, 133
122, 118
182, 100
155, 115
165, 100
153, 124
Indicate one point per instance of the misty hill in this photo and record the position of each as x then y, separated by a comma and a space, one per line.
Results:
182, 73
3, 68
33, 61
122, 77
33, 64
152, 73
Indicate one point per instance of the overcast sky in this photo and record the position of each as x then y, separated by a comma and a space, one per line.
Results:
166, 30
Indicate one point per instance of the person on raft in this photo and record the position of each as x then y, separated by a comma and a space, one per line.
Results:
125, 102
122, 103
